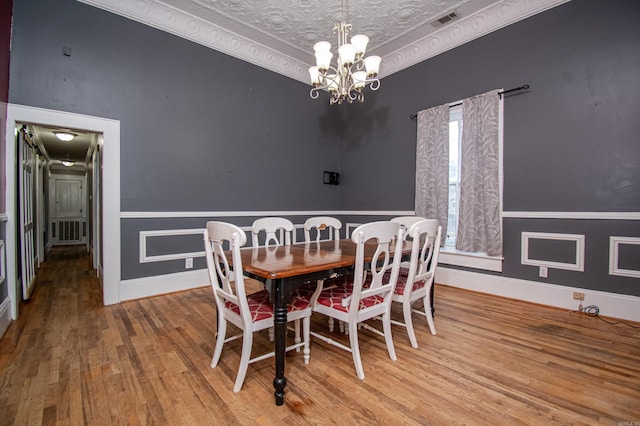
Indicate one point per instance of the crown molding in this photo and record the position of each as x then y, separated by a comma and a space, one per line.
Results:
485, 21
167, 18
182, 24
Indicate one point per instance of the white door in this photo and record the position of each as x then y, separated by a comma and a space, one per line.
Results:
26, 162
68, 220
40, 223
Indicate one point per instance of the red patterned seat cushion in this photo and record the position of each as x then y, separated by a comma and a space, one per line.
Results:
261, 308
333, 297
402, 281
345, 281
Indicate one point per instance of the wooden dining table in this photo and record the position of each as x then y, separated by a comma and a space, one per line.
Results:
284, 268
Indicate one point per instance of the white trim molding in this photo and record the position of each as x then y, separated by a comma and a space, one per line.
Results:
614, 247
578, 265
3, 263
612, 305
140, 288
497, 15
262, 213
145, 258
110, 130
573, 215
158, 14
5, 315
470, 260
5, 306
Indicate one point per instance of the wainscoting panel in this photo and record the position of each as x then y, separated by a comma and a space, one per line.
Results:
616, 244
576, 265
577, 250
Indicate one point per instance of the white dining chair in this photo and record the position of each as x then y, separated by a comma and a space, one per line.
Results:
322, 226
248, 312
367, 293
415, 278
318, 225
407, 221
277, 231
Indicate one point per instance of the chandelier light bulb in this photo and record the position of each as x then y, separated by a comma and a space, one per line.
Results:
360, 42
347, 54
323, 60
322, 46
359, 79
314, 74
372, 65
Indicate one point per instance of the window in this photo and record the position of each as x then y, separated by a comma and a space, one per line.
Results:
455, 137
459, 175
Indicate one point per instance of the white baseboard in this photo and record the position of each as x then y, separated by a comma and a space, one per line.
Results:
5, 315
161, 284
612, 305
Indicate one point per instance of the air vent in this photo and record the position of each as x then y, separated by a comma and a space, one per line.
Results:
445, 19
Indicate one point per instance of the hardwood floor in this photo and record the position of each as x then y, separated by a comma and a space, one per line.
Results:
69, 360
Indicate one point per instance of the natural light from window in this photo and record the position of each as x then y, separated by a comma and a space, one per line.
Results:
455, 136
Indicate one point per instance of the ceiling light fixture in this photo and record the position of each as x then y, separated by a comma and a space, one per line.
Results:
353, 71
68, 163
64, 136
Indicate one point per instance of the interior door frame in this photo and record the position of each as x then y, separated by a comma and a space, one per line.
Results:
27, 213
110, 130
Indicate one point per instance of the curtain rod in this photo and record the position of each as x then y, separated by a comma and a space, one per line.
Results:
524, 87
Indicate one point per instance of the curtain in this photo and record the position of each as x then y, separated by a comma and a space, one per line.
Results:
479, 225
432, 165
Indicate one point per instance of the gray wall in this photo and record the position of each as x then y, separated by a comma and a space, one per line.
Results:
197, 135
571, 142
200, 130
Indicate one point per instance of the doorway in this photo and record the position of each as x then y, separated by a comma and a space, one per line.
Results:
110, 193
56, 183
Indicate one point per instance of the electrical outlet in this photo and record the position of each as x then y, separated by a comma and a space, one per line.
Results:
543, 271
578, 296
188, 263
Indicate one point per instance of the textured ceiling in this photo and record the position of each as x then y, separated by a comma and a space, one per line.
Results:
279, 34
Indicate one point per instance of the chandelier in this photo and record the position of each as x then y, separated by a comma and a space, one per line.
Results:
352, 73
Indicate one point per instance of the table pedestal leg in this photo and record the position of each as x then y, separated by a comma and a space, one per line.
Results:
280, 338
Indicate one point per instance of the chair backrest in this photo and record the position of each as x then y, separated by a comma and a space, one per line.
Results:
227, 282
406, 222
320, 224
384, 235
426, 236
272, 226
